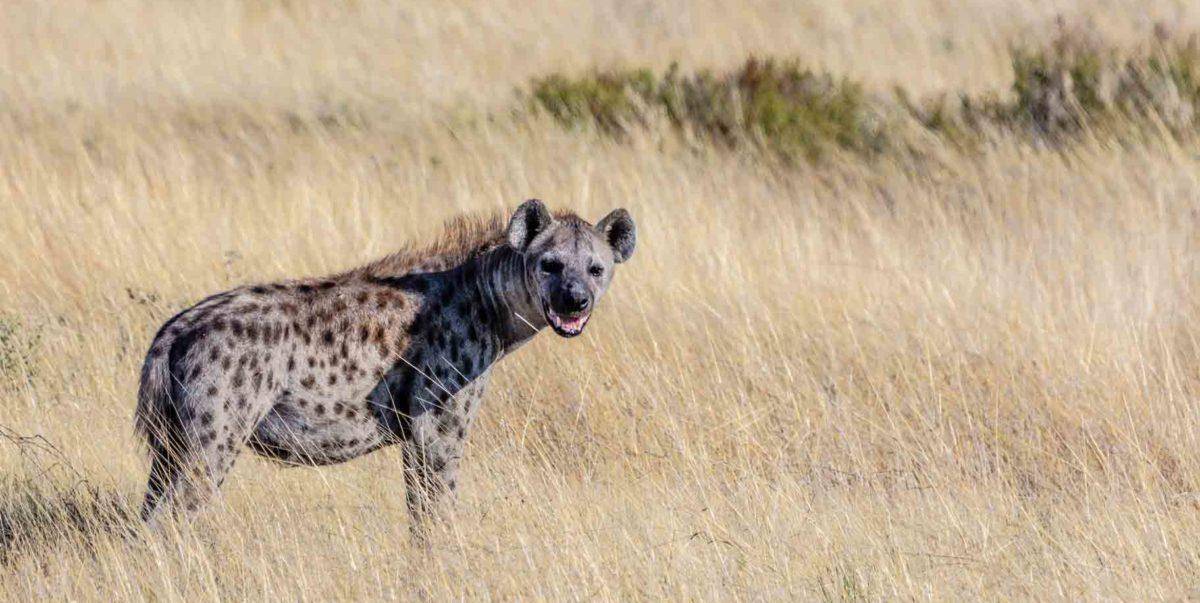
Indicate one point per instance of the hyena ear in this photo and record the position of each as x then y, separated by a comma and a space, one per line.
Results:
530, 220
617, 228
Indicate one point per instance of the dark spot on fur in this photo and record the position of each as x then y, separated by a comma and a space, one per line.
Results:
212, 390
235, 326
319, 409
226, 362
308, 382
259, 289
361, 297
437, 463
291, 363
327, 337
333, 379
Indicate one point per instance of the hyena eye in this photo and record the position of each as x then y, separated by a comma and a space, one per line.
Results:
596, 270
551, 266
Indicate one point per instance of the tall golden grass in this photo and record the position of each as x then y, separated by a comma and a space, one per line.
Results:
861, 379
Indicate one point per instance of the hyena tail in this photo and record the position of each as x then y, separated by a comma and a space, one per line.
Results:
155, 415
157, 422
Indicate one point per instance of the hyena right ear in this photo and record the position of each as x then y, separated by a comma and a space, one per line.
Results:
530, 220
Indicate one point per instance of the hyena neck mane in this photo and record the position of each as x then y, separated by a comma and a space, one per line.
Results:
470, 276
485, 299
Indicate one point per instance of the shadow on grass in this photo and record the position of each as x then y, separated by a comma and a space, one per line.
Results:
45, 501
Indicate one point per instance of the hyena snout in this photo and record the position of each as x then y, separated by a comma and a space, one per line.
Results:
571, 299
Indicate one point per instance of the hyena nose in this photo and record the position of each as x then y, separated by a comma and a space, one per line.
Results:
576, 301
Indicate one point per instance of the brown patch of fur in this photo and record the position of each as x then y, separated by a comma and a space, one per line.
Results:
462, 238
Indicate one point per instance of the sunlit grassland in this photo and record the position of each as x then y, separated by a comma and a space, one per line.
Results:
861, 378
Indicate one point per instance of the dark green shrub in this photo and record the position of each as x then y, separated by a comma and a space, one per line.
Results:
766, 103
18, 346
1075, 81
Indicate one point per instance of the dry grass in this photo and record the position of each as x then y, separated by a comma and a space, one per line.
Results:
864, 380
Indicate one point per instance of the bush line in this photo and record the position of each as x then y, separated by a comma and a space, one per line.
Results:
1071, 85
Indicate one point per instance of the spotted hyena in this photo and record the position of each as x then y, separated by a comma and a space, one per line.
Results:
321, 371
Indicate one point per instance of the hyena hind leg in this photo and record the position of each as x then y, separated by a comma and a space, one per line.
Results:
187, 478
164, 470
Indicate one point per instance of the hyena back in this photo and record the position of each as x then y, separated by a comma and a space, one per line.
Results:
321, 371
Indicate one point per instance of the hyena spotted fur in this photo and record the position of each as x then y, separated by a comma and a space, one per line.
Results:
320, 371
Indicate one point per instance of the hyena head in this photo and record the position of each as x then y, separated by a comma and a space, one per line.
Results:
568, 262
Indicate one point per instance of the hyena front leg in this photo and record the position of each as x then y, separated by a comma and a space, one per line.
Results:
431, 476
432, 454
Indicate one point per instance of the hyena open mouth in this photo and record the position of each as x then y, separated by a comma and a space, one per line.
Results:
566, 325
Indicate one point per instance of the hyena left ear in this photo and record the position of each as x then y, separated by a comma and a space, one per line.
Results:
530, 220
617, 228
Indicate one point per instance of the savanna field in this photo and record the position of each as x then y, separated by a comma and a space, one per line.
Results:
912, 314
